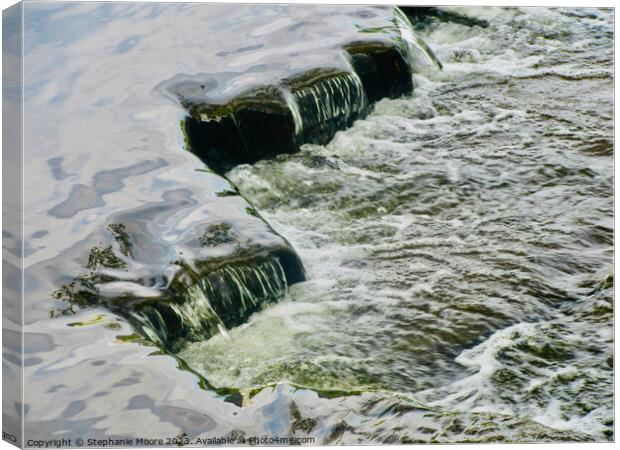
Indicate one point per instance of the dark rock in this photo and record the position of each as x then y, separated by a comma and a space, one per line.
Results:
421, 15
254, 126
383, 69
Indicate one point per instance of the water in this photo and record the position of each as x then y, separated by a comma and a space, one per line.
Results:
457, 243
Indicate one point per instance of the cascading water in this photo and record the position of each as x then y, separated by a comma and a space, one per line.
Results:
195, 303
309, 107
422, 56
191, 300
218, 301
200, 297
326, 102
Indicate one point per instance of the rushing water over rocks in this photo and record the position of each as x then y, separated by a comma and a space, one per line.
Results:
457, 241
212, 277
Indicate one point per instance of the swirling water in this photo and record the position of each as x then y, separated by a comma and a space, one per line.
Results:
459, 242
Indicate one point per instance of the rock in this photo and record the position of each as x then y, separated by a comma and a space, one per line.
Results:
307, 106
383, 69
254, 126
423, 14
217, 276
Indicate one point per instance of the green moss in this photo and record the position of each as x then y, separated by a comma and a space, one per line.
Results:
186, 144
104, 257
299, 423
217, 234
81, 292
253, 212
98, 319
227, 193
121, 236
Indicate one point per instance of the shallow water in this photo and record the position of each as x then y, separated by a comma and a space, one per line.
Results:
458, 242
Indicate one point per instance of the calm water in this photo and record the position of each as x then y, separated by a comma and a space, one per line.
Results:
458, 243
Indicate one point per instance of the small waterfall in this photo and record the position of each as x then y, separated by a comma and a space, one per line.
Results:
291, 102
173, 321
326, 101
196, 310
308, 107
186, 300
264, 120
260, 122
235, 292
420, 54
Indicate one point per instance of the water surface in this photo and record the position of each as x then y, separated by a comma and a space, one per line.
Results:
458, 242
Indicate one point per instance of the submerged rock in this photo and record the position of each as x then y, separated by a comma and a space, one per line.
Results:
246, 130
382, 68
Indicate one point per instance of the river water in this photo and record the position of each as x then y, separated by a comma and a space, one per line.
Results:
458, 243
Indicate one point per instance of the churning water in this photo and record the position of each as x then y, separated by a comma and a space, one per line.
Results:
458, 242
